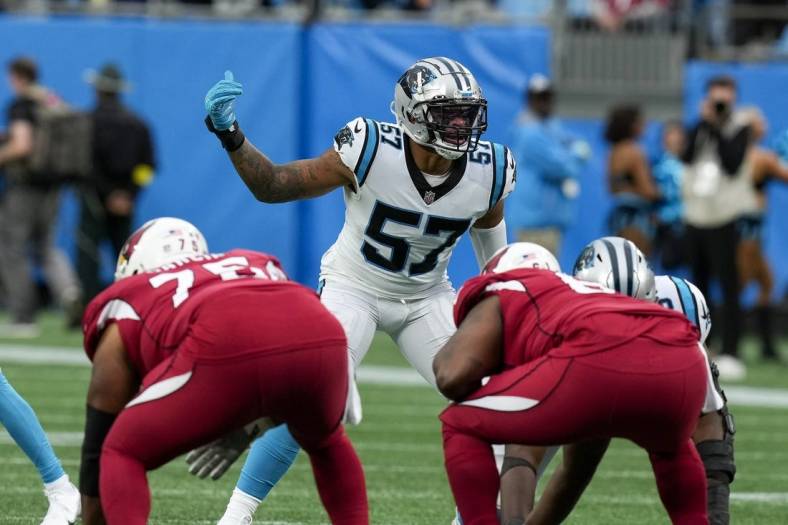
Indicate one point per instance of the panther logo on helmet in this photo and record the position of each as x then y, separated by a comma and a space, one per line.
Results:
439, 104
414, 79
344, 136
586, 258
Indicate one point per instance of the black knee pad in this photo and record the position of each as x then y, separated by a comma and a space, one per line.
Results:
717, 457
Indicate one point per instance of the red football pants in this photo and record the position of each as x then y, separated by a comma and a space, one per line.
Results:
553, 401
304, 388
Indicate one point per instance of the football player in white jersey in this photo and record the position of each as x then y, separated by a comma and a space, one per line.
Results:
412, 188
618, 264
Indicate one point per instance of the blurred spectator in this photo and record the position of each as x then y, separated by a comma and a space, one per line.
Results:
613, 14
713, 17
29, 211
123, 163
408, 5
717, 190
764, 166
531, 9
549, 162
668, 173
753, 29
629, 178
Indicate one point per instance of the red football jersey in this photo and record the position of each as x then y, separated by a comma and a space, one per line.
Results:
542, 310
242, 292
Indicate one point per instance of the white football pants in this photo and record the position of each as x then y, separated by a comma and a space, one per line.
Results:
419, 327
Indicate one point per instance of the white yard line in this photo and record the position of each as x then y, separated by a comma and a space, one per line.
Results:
44, 355
773, 498
616, 474
757, 397
27, 519
369, 374
74, 440
769, 498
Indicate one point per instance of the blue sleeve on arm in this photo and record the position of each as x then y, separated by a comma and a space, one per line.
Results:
269, 459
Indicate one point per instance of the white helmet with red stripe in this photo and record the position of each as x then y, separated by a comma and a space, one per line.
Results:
522, 255
158, 242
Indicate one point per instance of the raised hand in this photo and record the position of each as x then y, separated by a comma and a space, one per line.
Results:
220, 101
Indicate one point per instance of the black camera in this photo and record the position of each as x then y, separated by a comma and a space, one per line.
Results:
722, 108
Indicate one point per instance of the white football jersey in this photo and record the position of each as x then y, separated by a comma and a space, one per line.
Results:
399, 230
683, 296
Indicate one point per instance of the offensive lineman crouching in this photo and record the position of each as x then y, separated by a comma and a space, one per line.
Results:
208, 344
573, 361
618, 264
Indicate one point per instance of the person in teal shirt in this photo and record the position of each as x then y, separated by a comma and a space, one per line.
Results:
668, 172
549, 164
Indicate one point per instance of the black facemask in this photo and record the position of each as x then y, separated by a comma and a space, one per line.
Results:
457, 123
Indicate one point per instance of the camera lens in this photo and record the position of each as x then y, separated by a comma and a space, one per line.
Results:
721, 107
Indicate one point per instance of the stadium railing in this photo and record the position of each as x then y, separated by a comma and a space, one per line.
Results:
445, 11
743, 32
595, 67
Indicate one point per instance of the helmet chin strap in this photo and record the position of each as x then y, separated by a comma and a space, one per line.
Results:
443, 152
447, 153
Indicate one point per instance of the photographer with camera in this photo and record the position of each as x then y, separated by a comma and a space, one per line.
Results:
717, 190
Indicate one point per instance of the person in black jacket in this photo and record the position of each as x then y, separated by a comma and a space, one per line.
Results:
717, 190
123, 164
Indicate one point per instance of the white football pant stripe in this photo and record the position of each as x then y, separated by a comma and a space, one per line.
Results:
161, 389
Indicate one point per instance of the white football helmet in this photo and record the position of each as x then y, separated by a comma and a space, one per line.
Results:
159, 242
439, 104
521, 255
617, 263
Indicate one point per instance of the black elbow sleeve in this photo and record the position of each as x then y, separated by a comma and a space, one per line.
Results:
97, 426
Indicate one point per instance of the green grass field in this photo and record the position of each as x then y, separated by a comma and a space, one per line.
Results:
399, 444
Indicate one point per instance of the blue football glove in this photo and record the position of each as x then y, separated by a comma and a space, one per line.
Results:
220, 101
781, 145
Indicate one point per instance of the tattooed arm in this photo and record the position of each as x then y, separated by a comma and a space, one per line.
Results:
267, 181
301, 179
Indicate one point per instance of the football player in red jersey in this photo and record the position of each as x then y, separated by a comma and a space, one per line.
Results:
188, 346
570, 361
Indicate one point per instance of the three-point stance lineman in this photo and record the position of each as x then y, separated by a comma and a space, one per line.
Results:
616, 263
572, 361
216, 341
412, 189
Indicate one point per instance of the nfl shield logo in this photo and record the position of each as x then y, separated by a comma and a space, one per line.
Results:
429, 197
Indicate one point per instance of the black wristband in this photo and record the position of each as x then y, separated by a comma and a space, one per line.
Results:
97, 426
231, 139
